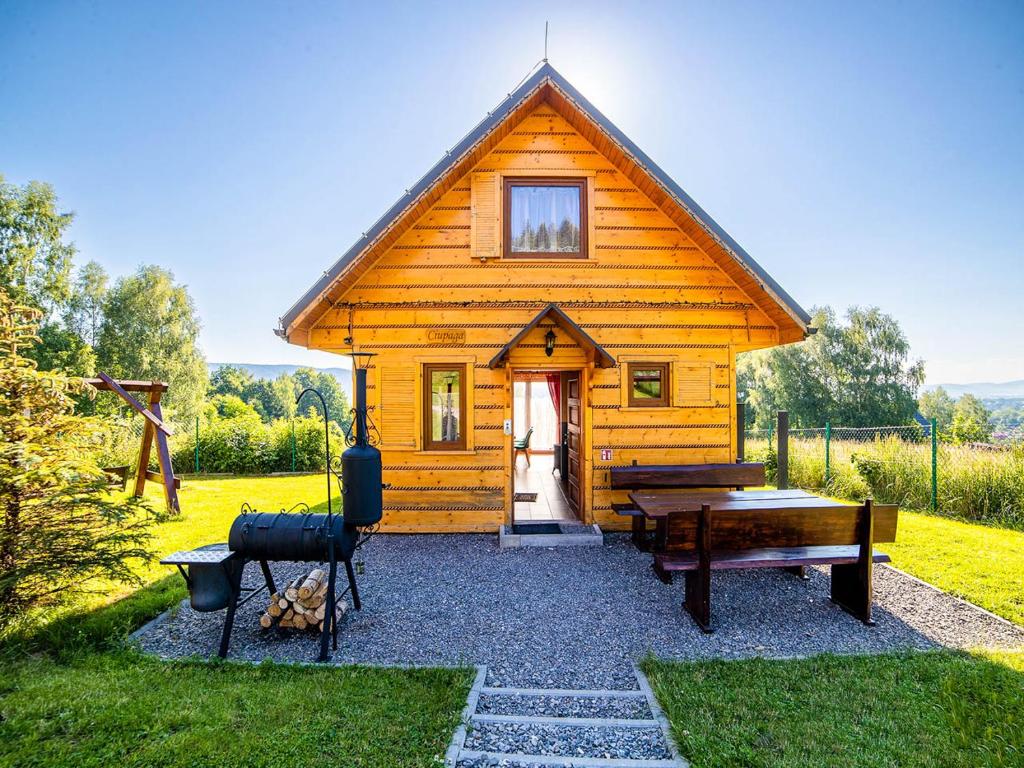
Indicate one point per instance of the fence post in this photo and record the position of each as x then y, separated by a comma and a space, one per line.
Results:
293, 445
935, 467
741, 418
782, 451
828, 450
197, 446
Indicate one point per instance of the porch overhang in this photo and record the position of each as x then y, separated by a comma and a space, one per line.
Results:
595, 351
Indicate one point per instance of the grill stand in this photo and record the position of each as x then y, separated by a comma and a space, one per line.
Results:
237, 601
331, 619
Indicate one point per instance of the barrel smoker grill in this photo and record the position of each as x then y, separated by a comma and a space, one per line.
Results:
214, 574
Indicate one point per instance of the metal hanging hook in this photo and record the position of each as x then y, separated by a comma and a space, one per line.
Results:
327, 444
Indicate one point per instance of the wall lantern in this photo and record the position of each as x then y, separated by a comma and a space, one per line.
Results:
549, 343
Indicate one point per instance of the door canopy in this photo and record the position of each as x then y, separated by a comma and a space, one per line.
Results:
595, 352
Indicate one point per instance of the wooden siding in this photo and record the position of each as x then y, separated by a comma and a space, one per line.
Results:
649, 291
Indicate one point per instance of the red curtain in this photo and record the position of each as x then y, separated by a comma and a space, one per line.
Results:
555, 390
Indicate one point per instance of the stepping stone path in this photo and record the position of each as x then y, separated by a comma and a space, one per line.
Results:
533, 727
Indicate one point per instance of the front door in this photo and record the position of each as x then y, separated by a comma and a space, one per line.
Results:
575, 429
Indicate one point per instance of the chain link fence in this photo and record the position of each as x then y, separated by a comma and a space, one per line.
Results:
912, 466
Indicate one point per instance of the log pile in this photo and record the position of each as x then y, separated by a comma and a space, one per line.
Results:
302, 604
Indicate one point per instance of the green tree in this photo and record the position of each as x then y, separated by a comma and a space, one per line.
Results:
330, 388
1008, 417
35, 271
937, 405
63, 351
230, 380
35, 261
272, 399
83, 313
857, 374
59, 527
230, 407
970, 421
150, 331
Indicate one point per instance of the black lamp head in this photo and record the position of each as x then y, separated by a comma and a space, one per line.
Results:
549, 342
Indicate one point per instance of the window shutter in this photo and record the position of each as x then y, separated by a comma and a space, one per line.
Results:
397, 416
485, 215
693, 383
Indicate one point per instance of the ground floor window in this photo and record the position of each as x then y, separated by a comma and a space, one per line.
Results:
444, 407
648, 384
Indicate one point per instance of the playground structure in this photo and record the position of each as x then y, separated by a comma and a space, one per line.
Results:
155, 432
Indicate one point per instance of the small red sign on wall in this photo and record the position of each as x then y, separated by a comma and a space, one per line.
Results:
606, 454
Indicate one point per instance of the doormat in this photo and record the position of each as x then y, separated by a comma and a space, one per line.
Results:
525, 497
526, 529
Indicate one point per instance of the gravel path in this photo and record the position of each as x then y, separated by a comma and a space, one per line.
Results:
634, 708
568, 741
577, 618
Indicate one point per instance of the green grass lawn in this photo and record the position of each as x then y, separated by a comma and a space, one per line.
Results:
910, 710
87, 702
124, 709
209, 505
979, 563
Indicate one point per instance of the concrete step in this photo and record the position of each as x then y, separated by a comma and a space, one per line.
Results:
569, 535
506, 727
575, 741
596, 705
471, 759
580, 722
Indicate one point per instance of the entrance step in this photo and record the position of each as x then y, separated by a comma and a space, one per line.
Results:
549, 534
533, 727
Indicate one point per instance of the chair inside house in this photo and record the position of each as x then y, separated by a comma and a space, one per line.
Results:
540, 494
522, 446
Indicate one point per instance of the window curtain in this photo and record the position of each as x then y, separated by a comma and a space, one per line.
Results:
555, 390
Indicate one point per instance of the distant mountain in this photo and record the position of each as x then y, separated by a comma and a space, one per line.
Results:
983, 390
259, 371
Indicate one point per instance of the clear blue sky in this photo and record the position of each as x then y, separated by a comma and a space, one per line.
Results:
863, 153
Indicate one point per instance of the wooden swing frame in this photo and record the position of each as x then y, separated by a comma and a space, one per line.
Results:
154, 431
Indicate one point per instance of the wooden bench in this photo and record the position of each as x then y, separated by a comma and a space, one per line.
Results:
663, 476
779, 536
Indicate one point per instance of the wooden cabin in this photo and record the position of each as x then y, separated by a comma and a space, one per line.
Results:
545, 248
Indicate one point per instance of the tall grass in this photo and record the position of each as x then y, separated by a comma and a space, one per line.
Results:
973, 483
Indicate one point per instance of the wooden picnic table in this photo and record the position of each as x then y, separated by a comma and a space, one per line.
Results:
656, 505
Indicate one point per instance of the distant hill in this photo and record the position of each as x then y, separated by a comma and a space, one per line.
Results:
983, 390
259, 371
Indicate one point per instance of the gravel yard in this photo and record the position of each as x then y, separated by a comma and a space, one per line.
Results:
579, 617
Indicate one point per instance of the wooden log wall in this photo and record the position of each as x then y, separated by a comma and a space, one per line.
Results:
647, 292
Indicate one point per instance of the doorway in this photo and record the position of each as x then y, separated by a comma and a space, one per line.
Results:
545, 480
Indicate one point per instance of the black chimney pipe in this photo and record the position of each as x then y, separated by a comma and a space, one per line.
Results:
361, 467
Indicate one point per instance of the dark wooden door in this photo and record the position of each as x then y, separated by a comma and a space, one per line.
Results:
575, 441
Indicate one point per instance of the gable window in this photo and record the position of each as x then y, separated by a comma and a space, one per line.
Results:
648, 384
545, 218
444, 407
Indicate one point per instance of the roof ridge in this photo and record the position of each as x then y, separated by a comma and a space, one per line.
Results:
545, 73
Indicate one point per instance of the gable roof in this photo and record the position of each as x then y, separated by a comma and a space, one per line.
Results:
601, 358
546, 84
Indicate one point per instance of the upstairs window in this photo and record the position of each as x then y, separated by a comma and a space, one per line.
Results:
545, 218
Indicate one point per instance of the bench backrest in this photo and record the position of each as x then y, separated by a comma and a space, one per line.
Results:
777, 526
687, 476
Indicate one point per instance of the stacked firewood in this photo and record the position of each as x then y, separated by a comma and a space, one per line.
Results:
302, 604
